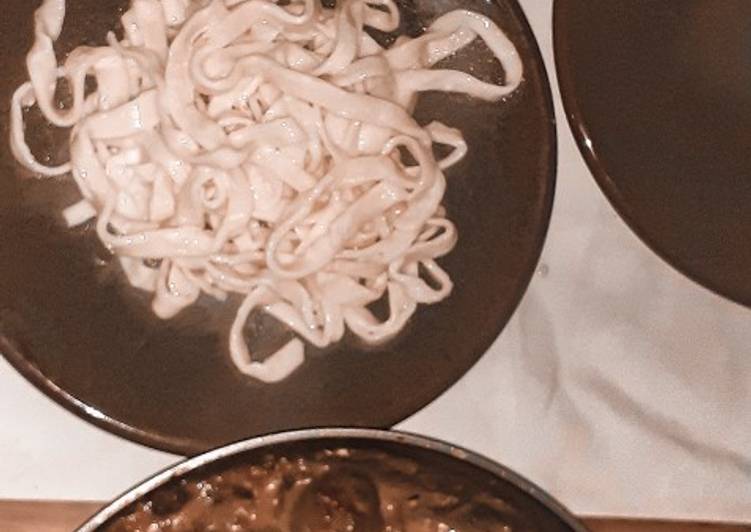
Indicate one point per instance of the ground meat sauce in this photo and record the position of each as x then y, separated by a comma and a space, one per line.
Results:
337, 490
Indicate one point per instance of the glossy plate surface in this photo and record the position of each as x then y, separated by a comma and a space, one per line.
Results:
70, 323
658, 95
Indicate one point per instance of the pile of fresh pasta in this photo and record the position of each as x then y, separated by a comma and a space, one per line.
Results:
267, 150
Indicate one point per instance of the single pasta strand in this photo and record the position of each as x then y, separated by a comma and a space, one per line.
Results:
247, 147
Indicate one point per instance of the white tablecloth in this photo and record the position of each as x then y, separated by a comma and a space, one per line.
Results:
619, 386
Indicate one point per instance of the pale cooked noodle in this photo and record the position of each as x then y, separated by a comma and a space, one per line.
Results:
240, 146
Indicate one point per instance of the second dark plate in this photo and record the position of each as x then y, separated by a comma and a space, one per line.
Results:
658, 95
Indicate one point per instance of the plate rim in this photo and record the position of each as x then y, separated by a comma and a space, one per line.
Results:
189, 447
605, 182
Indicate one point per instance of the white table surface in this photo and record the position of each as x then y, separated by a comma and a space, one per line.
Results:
619, 386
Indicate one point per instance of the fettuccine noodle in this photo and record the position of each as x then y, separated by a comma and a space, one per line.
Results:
249, 147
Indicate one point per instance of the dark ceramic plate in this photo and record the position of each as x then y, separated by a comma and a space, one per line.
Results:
439, 464
658, 95
70, 323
